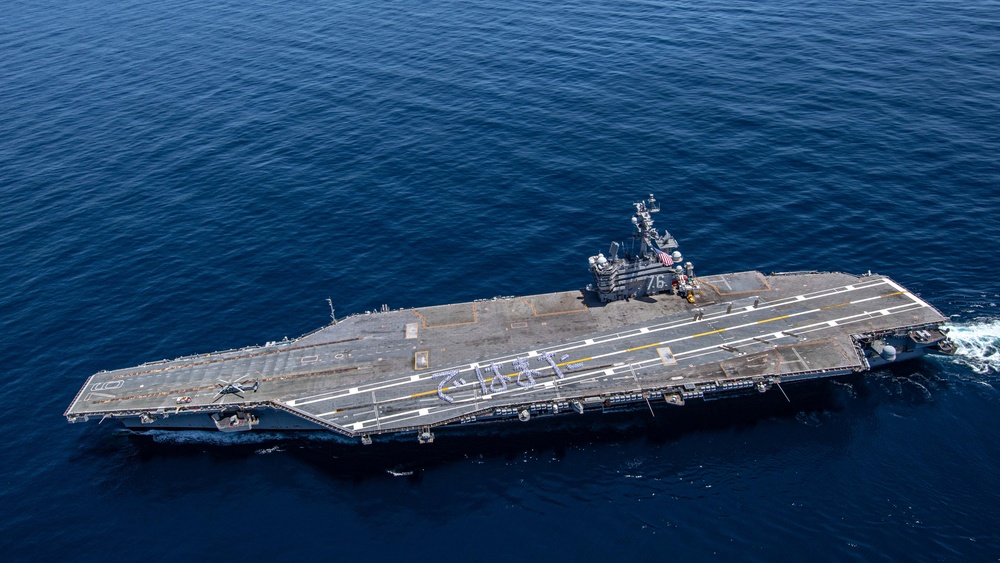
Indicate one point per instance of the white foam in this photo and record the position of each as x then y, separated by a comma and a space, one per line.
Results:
206, 437
978, 345
216, 438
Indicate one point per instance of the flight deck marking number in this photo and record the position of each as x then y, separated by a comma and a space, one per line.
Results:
547, 356
523, 370
447, 377
498, 378
482, 380
106, 385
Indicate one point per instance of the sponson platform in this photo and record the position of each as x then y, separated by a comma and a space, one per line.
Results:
648, 332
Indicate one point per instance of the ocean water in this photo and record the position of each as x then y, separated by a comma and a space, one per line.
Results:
180, 177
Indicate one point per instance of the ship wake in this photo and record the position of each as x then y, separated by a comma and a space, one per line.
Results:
978, 345
210, 437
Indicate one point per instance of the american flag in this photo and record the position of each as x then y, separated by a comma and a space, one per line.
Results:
664, 257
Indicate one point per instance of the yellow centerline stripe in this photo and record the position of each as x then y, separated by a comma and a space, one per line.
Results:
700, 334
808, 296
709, 332
643, 347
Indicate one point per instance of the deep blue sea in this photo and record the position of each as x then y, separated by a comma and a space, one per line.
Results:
184, 176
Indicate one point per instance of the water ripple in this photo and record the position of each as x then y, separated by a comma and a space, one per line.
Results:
183, 176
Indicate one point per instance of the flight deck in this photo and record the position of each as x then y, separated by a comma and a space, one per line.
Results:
392, 371
647, 333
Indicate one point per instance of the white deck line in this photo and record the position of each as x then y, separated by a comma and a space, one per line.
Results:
331, 395
588, 376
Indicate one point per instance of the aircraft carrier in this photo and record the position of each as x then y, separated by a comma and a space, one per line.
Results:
647, 333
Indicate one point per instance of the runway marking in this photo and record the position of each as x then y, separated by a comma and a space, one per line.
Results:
804, 329
590, 376
608, 372
665, 326
677, 324
700, 334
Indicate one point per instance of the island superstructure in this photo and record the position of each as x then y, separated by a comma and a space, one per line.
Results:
645, 334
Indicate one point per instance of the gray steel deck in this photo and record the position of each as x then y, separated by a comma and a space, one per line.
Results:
380, 373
